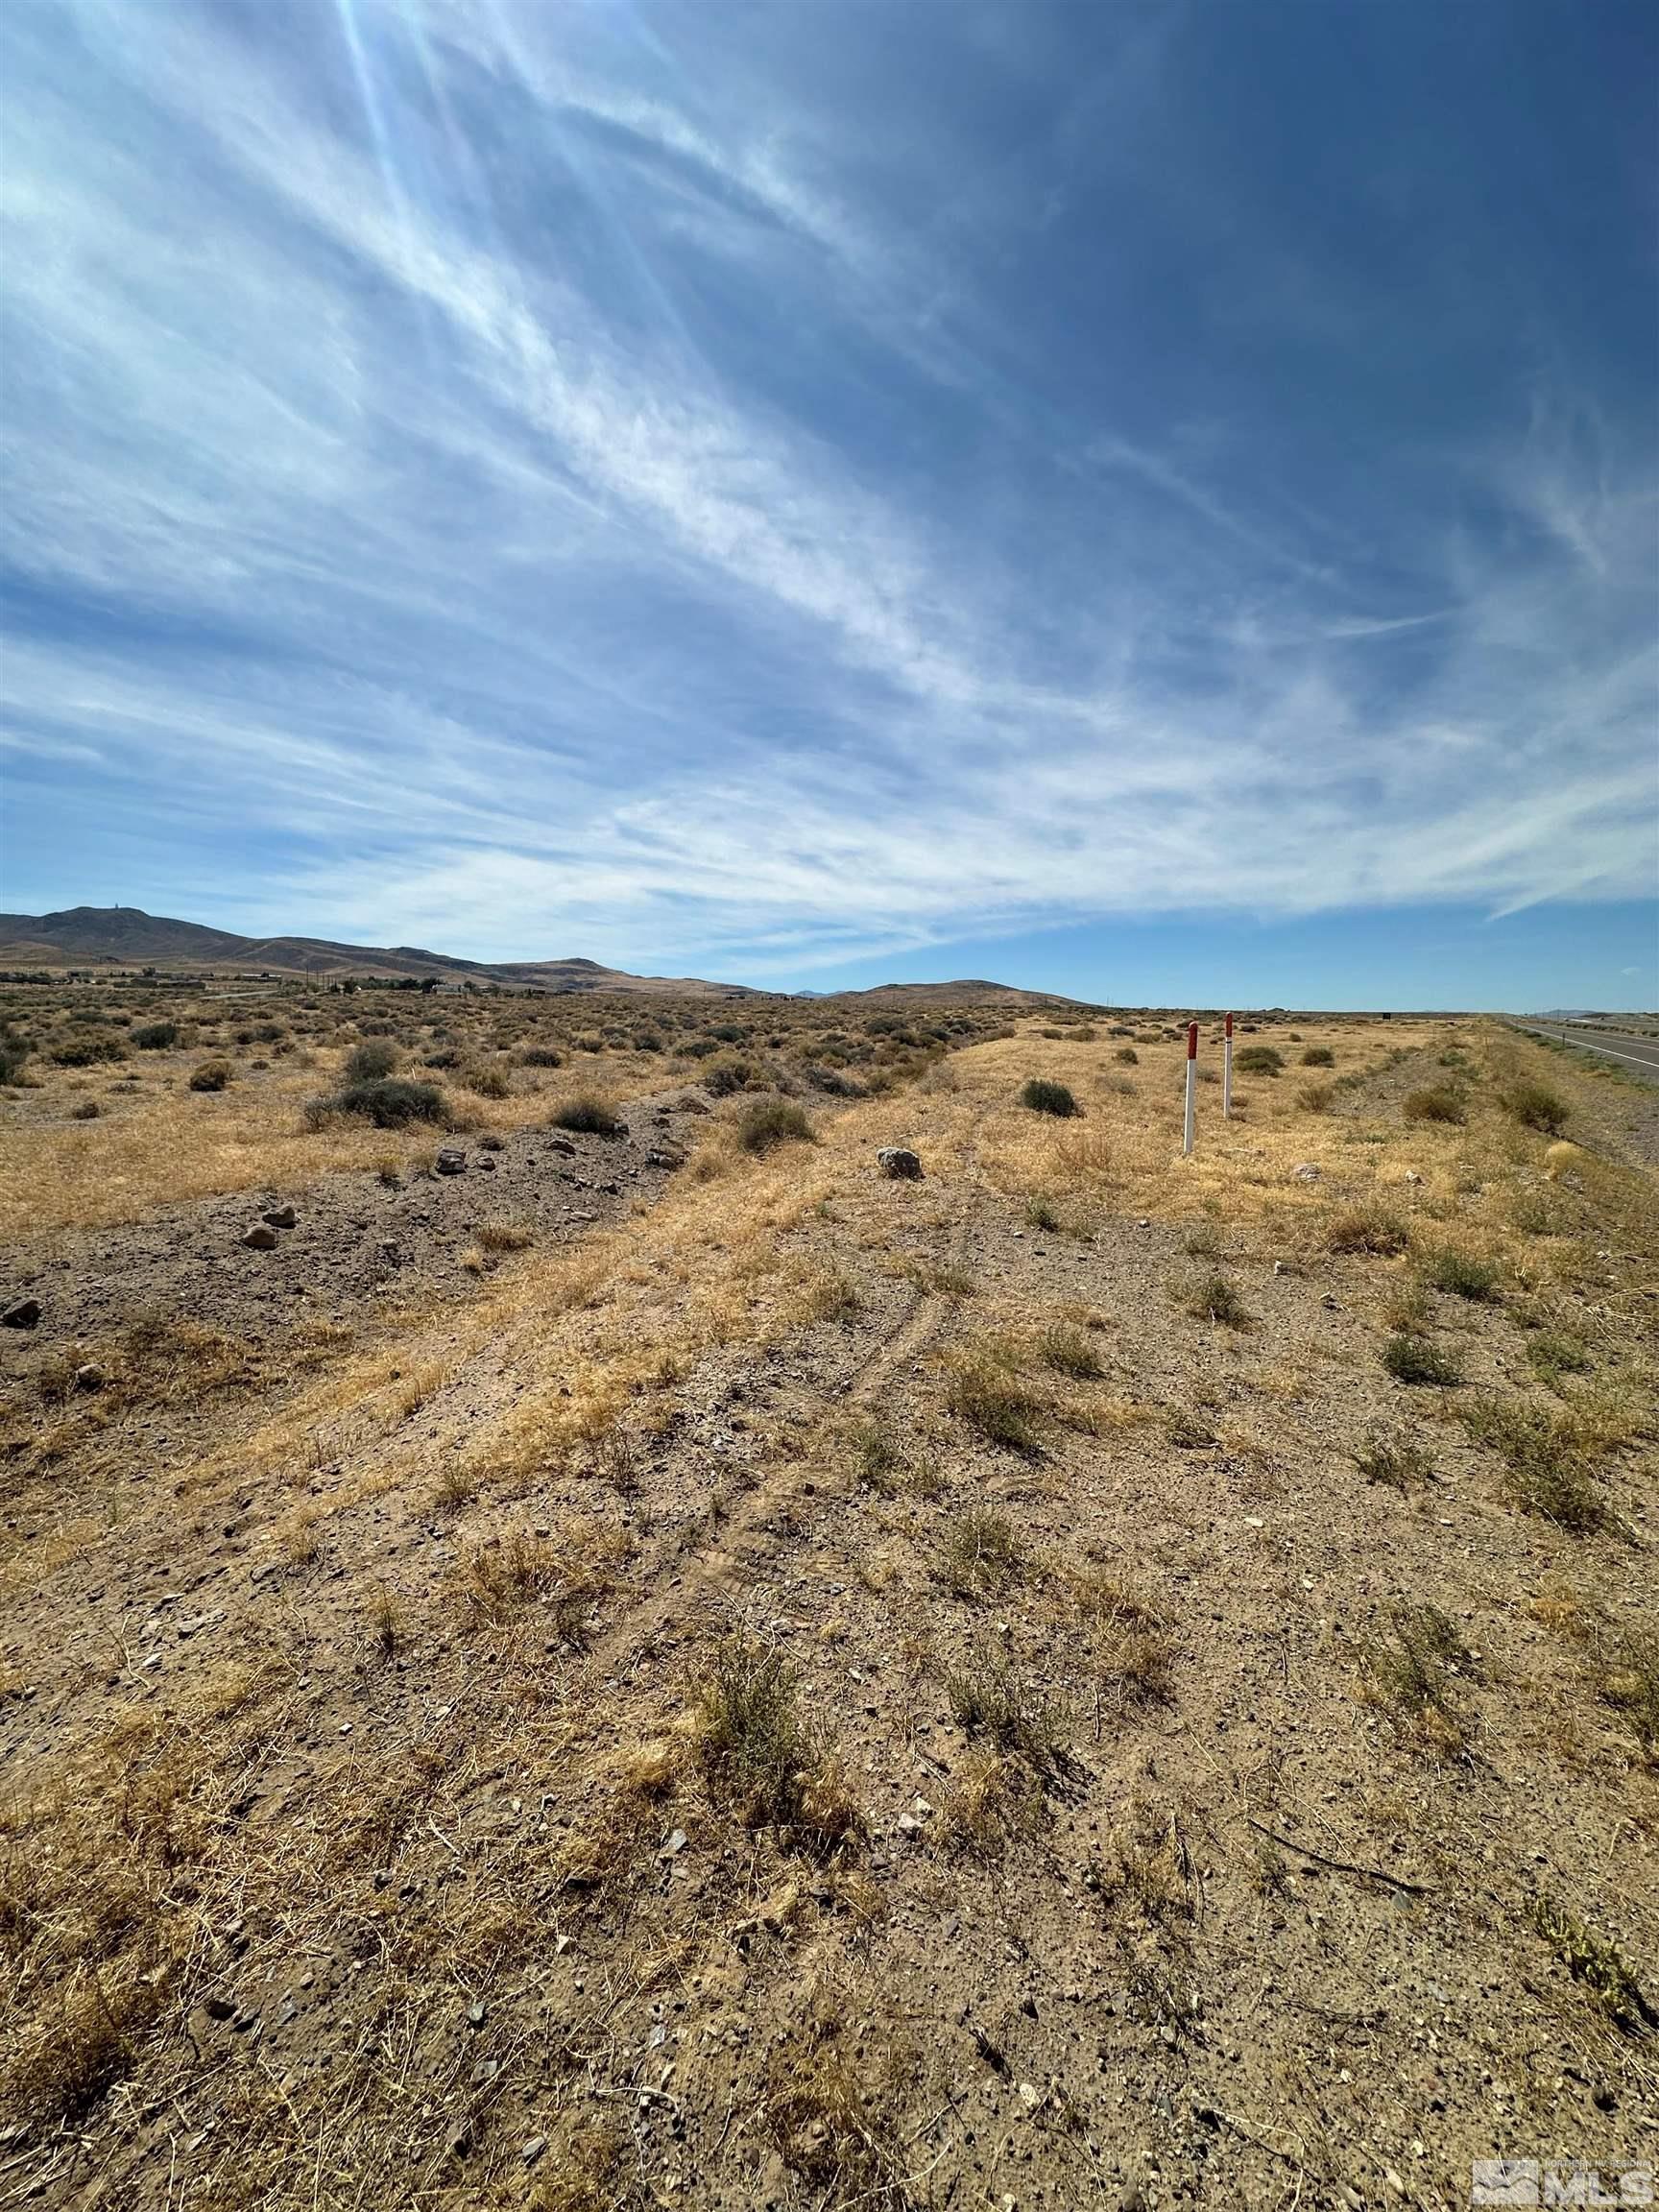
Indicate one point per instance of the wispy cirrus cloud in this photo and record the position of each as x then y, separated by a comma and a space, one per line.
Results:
532, 479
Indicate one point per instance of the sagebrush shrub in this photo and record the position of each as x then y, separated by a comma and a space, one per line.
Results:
388, 1101
1438, 1103
1535, 1106
1043, 1097
587, 1116
766, 1122
367, 1063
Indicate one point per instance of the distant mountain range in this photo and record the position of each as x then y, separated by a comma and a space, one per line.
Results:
126, 937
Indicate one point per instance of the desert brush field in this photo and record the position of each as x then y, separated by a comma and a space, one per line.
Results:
619, 1656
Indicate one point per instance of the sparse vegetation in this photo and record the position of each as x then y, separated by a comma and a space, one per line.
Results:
765, 1123
1412, 1358
1215, 1298
1546, 1459
981, 1554
1259, 1060
212, 1075
587, 1115
1535, 1106
1069, 1352
1553, 1352
1600, 1965
1370, 1229
1463, 1274
1395, 1460
986, 1392
1413, 1668
1436, 1103
990, 1697
758, 1756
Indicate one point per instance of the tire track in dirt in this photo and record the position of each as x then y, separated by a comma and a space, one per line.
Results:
703, 1573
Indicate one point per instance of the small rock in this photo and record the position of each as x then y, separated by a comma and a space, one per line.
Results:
280, 1217
486, 2069
476, 2013
260, 1238
1305, 1171
675, 1844
531, 2150
23, 1315
451, 1161
561, 1144
219, 2009
487, 1163
899, 1163
89, 1378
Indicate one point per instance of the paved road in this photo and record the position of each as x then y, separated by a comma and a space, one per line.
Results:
1640, 1054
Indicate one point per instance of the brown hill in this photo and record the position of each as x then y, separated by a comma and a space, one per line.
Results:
127, 937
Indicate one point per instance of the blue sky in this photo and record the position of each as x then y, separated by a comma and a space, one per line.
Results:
1109, 496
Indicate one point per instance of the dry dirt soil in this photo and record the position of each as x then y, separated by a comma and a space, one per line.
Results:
1084, 1680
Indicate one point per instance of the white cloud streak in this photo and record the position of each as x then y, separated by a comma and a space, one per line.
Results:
451, 557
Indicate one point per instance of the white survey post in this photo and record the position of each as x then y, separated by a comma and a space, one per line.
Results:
1227, 1070
1192, 1084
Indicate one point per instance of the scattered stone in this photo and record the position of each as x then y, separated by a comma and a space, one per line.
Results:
23, 1315
219, 2009
675, 1844
561, 1144
1305, 1171
260, 1238
451, 1161
899, 1163
487, 1163
89, 1378
486, 2070
663, 1156
531, 2150
280, 1217
476, 2013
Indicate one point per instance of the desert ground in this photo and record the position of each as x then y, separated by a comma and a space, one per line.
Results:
657, 1664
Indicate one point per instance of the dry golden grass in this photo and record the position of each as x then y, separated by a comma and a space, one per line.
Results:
167, 1145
